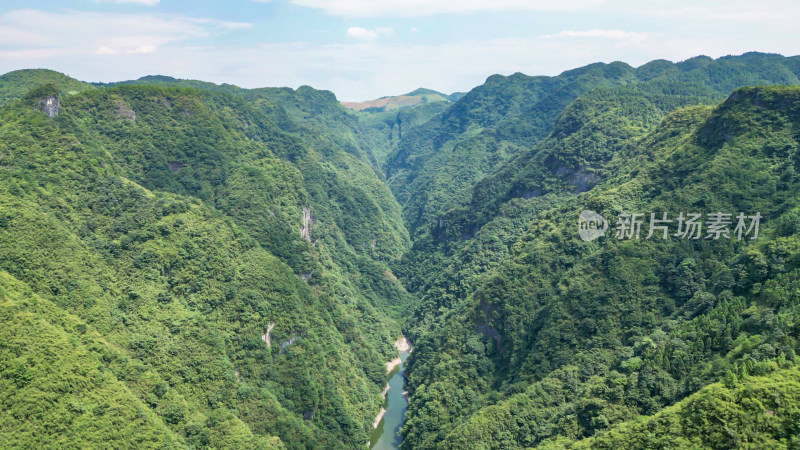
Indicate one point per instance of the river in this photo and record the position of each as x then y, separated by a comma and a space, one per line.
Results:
385, 436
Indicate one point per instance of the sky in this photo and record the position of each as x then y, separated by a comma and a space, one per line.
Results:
365, 49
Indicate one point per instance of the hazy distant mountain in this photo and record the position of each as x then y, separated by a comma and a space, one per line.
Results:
413, 98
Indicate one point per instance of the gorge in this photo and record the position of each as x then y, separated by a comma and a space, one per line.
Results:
186, 264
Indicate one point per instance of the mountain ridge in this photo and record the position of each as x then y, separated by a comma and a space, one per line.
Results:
154, 231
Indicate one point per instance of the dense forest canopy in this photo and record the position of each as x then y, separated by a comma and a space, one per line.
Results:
172, 227
192, 265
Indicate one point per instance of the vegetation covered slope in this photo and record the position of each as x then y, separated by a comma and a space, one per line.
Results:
382, 122
436, 166
185, 264
46, 351
14, 85
550, 337
413, 98
759, 412
228, 263
383, 130
318, 110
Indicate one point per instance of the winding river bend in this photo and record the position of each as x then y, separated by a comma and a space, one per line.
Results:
385, 436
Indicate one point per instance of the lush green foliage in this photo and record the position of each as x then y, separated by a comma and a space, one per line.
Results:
191, 265
318, 110
383, 130
760, 412
167, 221
14, 85
437, 165
531, 335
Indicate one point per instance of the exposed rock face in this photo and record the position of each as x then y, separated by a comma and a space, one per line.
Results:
266, 337
50, 105
581, 177
390, 365
287, 343
584, 181
402, 345
377, 421
125, 111
308, 221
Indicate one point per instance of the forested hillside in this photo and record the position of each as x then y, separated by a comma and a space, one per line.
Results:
384, 130
392, 102
192, 265
14, 85
542, 336
437, 165
226, 263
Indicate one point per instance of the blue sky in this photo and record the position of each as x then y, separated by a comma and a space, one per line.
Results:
363, 49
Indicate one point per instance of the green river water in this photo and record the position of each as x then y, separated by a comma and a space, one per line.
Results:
385, 436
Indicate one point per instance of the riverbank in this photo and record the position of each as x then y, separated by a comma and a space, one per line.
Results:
392, 413
401, 345
379, 417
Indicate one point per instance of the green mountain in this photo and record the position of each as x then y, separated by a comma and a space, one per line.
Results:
542, 336
436, 165
192, 265
217, 263
425, 91
14, 85
319, 110
384, 130
420, 96
381, 123
759, 412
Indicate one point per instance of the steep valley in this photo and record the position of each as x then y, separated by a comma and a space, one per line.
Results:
192, 265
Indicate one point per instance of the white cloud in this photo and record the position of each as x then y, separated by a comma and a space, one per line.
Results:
111, 46
602, 34
76, 33
144, 49
365, 34
139, 2
222, 25
719, 10
412, 8
361, 33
